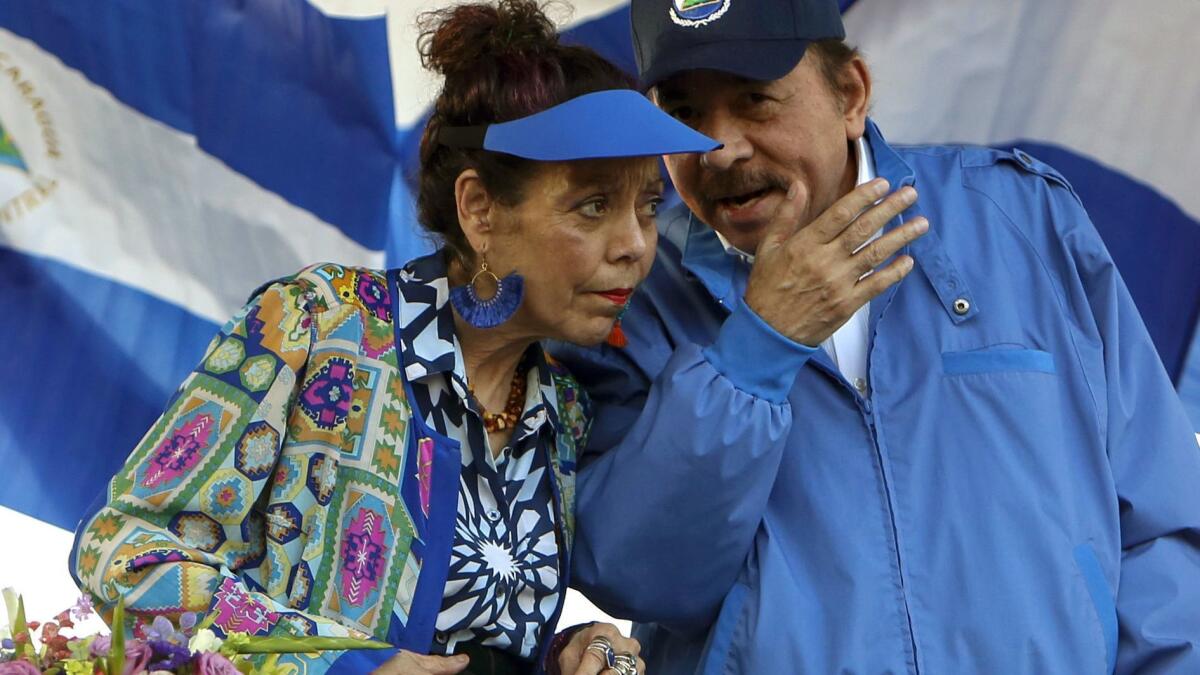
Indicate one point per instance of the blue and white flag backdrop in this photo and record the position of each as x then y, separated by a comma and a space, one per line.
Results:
159, 160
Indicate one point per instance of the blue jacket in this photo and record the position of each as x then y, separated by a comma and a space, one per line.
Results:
1020, 494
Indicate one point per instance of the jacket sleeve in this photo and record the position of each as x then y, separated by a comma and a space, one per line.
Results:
684, 450
184, 516
1155, 463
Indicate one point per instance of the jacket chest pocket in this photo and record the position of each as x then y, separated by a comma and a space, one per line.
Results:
1001, 408
997, 360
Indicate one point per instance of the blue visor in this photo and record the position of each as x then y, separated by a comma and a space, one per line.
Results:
612, 123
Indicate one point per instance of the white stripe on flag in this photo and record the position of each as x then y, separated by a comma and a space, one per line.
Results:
414, 87
35, 565
138, 202
1078, 74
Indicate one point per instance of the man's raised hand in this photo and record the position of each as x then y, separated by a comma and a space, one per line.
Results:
807, 281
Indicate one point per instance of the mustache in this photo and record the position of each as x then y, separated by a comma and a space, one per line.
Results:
718, 185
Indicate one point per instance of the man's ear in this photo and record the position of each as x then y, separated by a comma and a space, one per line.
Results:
474, 204
854, 89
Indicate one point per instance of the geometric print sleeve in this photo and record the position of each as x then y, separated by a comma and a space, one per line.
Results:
184, 527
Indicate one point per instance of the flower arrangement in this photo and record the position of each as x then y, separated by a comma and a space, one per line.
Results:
190, 648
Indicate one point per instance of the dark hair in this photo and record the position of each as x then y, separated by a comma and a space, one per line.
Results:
834, 55
501, 62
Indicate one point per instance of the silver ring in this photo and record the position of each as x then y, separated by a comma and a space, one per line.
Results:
601, 646
626, 664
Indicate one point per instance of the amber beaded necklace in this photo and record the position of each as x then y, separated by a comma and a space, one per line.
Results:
507, 419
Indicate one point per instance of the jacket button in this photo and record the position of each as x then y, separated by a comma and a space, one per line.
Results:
961, 306
861, 385
441, 637
493, 515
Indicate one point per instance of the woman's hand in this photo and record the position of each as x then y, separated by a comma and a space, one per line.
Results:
409, 663
577, 659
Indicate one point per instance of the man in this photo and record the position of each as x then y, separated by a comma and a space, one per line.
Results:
800, 466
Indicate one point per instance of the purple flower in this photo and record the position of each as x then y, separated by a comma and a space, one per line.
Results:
7, 643
83, 608
100, 646
187, 621
213, 663
137, 657
170, 656
162, 631
18, 668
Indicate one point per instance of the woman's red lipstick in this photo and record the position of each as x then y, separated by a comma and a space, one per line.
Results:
617, 296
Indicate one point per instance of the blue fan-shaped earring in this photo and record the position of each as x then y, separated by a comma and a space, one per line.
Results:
495, 310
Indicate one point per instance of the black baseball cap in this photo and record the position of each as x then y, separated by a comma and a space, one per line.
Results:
756, 39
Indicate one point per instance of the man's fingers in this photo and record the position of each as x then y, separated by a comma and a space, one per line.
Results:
866, 289
838, 217
785, 220
874, 254
874, 218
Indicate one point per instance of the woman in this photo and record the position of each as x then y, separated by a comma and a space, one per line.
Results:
392, 454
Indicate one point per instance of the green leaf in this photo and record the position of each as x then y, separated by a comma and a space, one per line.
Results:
116, 650
305, 643
20, 625
207, 622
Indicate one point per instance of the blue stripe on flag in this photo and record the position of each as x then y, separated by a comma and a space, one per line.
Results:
88, 366
609, 36
298, 102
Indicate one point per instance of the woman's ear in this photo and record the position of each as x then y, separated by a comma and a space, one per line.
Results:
474, 203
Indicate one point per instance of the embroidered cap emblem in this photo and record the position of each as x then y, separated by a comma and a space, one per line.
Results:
693, 13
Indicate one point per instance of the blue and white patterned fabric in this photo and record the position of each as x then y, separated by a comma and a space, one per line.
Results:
503, 585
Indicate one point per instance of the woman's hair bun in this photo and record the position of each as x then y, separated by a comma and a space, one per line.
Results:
501, 60
457, 39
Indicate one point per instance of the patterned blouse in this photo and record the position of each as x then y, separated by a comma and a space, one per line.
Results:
288, 487
503, 585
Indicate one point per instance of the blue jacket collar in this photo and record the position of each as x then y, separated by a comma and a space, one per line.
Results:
707, 259
930, 255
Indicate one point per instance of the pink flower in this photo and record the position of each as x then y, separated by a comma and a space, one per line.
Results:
18, 668
137, 658
213, 663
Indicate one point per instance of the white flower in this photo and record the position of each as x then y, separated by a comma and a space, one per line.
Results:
204, 641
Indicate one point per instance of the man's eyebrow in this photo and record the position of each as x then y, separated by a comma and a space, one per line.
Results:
669, 94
